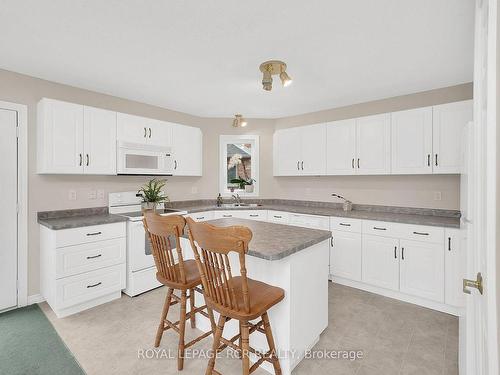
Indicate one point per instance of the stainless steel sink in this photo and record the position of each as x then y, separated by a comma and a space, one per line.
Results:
236, 205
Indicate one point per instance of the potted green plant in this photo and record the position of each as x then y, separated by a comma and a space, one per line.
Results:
246, 185
152, 194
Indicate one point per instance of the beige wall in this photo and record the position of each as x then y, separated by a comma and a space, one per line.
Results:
50, 192
412, 191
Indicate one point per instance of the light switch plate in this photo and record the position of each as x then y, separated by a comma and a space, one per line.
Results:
100, 194
72, 195
437, 196
92, 194
194, 189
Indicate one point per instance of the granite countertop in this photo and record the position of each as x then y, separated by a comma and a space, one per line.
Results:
276, 241
417, 216
67, 219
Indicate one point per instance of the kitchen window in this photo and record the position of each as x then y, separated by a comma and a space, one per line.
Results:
239, 165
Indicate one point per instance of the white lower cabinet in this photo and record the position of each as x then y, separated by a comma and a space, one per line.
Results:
454, 268
82, 267
380, 261
201, 216
345, 255
422, 269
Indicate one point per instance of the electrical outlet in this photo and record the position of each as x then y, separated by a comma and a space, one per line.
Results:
72, 195
437, 195
100, 194
92, 194
194, 189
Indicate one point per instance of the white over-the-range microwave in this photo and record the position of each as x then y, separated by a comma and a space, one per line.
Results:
140, 159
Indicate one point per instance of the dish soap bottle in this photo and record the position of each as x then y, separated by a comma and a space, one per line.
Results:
219, 201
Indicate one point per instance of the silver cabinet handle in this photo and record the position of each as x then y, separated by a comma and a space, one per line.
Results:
345, 224
149, 132
428, 160
94, 285
254, 215
302, 165
88, 160
81, 160
421, 233
227, 215
331, 241
395, 252
200, 218
352, 163
403, 253
358, 163
298, 165
436, 159
175, 164
95, 256
278, 217
94, 234
145, 132
449, 243
379, 228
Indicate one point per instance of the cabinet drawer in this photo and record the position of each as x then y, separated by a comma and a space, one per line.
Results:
225, 214
72, 260
310, 221
73, 290
279, 217
423, 233
76, 236
382, 228
201, 216
345, 224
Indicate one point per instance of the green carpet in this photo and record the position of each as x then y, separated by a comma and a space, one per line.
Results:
29, 345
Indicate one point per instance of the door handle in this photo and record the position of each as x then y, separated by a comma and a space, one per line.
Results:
81, 160
331, 241
149, 132
428, 160
352, 163
145, 132
402, 253
477, 284
175, 164
358, 163
88, 160
436, 160
302, 165
298, 165
395, 252
449, 243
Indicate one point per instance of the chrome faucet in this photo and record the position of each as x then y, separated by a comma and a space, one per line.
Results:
237, 198
347, 205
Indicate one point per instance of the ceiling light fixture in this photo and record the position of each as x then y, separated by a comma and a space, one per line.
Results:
274, 67
239, 121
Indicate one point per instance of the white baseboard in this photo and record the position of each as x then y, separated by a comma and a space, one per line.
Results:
35, 298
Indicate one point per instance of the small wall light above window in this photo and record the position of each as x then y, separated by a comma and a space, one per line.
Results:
274, 67
239, 121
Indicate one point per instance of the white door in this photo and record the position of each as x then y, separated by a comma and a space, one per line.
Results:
345, 255
63, 137
99, 143
8, 192
132, 128
187, 150
313, 150
341, 147
411, 141
448, 122
454, 270
422, 269
287, 152
373, 144
380, 266
159, 132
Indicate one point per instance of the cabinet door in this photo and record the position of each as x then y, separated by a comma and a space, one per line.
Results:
61, 137
99, 141
159, 132
380, 264
449, 121
313, 150
187, 150
341, 147
345, 255
453, 274
411, 141
287, 152
132, 128
373, 144
422, 269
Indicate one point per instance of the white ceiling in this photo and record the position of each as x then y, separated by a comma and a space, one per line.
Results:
202, 57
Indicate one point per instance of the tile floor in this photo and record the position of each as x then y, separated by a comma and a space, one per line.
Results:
395, 337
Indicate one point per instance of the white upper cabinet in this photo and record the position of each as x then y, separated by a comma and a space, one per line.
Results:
75, 139
449, 121
300, 151
187, 150
411, 140
341, 147
99, 145
142, 130
373, 144
60, 137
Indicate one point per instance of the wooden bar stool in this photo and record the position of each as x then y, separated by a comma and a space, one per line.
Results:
177, 274
236, 297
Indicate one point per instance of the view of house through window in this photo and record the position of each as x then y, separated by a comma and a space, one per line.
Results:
239, 166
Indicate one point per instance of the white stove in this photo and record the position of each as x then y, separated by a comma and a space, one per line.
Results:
141, 269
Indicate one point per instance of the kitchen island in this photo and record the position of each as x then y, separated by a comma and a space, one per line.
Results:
295, 259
